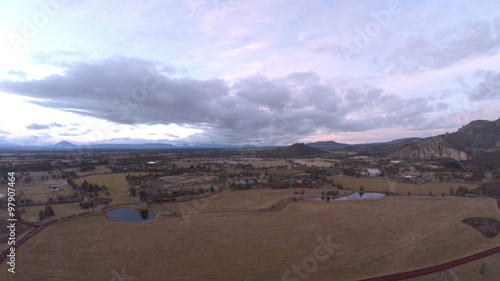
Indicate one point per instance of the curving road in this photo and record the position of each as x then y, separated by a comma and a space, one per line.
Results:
439, 267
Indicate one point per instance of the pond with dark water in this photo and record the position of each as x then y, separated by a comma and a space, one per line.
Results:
130, 215
192, 179
356, 196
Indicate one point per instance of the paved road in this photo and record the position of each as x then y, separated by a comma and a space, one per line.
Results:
437, 268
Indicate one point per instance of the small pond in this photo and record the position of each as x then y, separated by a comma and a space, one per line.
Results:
356, 196
192, 179
130, 215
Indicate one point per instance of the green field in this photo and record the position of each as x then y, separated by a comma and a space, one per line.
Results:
316, 162
60, 211
116, 183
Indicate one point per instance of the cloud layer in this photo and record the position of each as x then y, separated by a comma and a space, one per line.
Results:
252, 109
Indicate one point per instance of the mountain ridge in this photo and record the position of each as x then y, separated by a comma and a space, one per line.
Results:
294, 150
477, 137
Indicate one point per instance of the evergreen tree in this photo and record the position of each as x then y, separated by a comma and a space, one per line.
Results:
132, 191
143, 195
85, 185
41, 215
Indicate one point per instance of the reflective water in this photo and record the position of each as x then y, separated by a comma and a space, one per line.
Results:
356, 196
192, 179
130, 215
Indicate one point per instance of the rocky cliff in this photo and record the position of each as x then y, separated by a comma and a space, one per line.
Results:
431, 148
479, 136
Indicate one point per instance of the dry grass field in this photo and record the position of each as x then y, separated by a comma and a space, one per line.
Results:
382, 185
486, 269
60, 211
42, 193
370, 238
229, 200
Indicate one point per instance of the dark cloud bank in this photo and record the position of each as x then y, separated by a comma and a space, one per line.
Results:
253, 109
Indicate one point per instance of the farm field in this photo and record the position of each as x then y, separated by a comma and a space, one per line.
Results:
116, 183
101, 169
272, 163
316, 162
382, 185
42, 193
60, 211
487, 268
367, 239
229, 200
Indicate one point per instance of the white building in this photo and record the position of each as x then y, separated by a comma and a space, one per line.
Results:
373, 172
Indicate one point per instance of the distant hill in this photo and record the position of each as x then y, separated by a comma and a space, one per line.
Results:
64, 143
326, 144
294, 150
402, 140
478, 139
379, 148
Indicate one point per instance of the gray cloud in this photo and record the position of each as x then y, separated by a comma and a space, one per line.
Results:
36, 126
488, 88
446, 47
250, 110
18, 74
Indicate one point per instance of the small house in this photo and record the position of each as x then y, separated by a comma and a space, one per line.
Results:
373, 172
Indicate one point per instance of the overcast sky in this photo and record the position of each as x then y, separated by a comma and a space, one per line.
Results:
245, 72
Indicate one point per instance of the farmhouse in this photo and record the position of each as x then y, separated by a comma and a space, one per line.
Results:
373, 172
304, 180
246, 181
